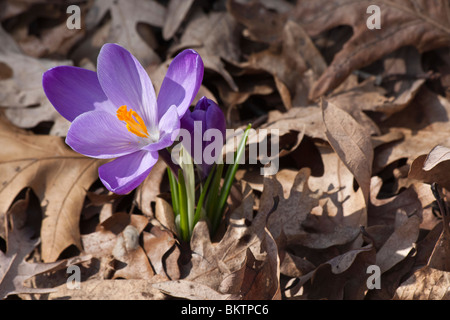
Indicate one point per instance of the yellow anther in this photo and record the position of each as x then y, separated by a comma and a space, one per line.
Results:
134, 122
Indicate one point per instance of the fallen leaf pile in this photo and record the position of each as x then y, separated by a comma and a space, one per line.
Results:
358, 208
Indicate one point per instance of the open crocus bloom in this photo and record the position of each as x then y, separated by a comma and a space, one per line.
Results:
115, 112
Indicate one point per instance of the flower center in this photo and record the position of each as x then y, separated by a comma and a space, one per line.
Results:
134, 122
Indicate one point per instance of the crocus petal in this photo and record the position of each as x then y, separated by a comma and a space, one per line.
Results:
202, 104
215, 119
74, 91
126, 173
187, 122
99, 134
181, 84
125, 82
169, 126
206, 115
199, 115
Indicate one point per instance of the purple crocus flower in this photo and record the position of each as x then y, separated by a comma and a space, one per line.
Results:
115, 112
206, 117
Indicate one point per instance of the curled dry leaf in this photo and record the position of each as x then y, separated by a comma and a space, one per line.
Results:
436, 156
138, 289
401, 241
227, 267
262, 24
102, 241
213, 36
176, 13
58, 176
21, 91
294, 266
387, 93
164, 214
124, 30
53, 41
425, 284
160, 247
423, 124
316, 212
21, 241
343, 277
150, 188
130, 260
247, 87
118, 238
383, 212
307, 119
423, 25
432, 167
292, 211
440, 257
351, 142
339, 200
295, 58
190, 290
292, 58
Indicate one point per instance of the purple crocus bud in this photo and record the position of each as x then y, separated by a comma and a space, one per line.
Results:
206, 126
115, 112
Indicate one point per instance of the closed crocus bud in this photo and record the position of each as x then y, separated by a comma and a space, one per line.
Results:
205, 133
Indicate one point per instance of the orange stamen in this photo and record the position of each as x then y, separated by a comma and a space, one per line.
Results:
134, 122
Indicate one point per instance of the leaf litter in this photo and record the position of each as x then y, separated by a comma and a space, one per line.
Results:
362, 119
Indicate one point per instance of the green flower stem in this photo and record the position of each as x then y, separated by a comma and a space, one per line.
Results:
211, 203
212, 199
189, 180
201, 199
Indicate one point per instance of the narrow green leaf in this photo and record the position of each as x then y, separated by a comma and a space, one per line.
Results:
184, 220
230, 174
174, 192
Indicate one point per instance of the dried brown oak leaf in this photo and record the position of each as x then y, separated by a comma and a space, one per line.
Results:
421, 23
176, 13
125, 17
56, 41
21, 240
401, 80
423, 124
261, 24
161, 248
434, 170
102, 289
394, 224
117, 241
215, 37
58, 176
150, 188
342, 277
21, 90
326, 203
243, 265
425, 284
295, 64
291, 58
432, 167
351, 142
